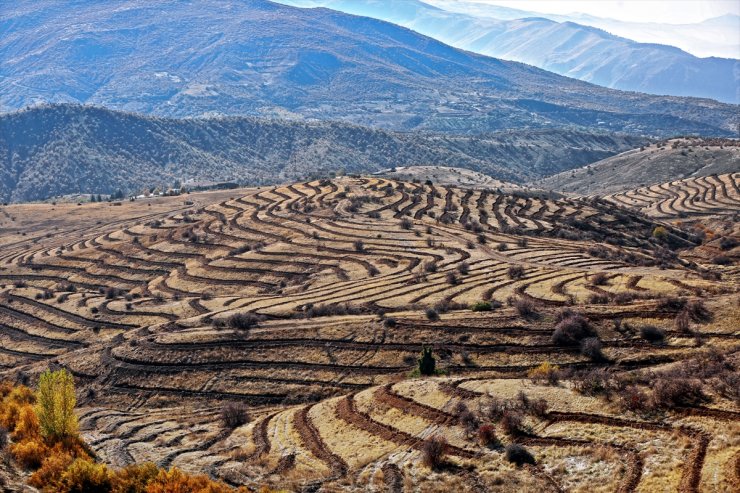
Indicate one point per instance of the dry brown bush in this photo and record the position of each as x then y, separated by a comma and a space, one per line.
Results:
487, 435
518, 455
515, 272
234, 415
512, 422
433, 451
571, 330
652, 334
525, 307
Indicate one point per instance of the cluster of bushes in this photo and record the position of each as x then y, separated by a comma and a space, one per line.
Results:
722, 260
239, 321
452, 279
485, 306
357, 201
628, 257
42, 438
467, 419
599, 279
687, 311
473, 226
112, 293
328, 310
683, 385
515, 272
44, 295
508, 414
652, 334
431, 314
573, 329
622, 298
518, 454
239, 250
693, 311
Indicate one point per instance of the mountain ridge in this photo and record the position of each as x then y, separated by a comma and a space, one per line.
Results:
584, 52
264, 59
65, 149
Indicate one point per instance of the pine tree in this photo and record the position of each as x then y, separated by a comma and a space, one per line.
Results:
55, 403
426, 362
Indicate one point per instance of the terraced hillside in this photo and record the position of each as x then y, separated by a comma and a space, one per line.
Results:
689, 198
663, 161
310, 303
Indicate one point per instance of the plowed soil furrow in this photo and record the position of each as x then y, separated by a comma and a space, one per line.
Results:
347, 411
315, 444
387, 395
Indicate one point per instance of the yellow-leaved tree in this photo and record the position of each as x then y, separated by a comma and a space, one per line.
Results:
55, 404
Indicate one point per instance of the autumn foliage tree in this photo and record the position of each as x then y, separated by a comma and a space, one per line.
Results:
45, 442
55, 403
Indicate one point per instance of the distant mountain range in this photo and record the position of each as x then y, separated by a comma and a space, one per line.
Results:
171, 58
67, 149
566, 48
715, 37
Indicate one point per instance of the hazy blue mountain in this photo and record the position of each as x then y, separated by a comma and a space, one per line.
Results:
253, 57
64, 149
566, 48
716, 37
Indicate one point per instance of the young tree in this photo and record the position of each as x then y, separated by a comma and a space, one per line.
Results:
55, 403
426, 362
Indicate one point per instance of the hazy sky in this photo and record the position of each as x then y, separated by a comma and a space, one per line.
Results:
672, 11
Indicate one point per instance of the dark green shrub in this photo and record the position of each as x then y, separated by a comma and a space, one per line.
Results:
427, 363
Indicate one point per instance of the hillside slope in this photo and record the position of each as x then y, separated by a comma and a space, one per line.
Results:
566, 48
259, 58
307, 305
657, 163
66, 149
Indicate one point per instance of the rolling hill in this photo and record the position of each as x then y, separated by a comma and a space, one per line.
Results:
64, 149
563, 329
566, 48
255, 57
660, 162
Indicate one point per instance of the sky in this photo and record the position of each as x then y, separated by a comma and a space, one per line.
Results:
667, 11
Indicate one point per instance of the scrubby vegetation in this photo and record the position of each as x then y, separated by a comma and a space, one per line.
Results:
572, 329
230, 151
45, 442
518, 455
